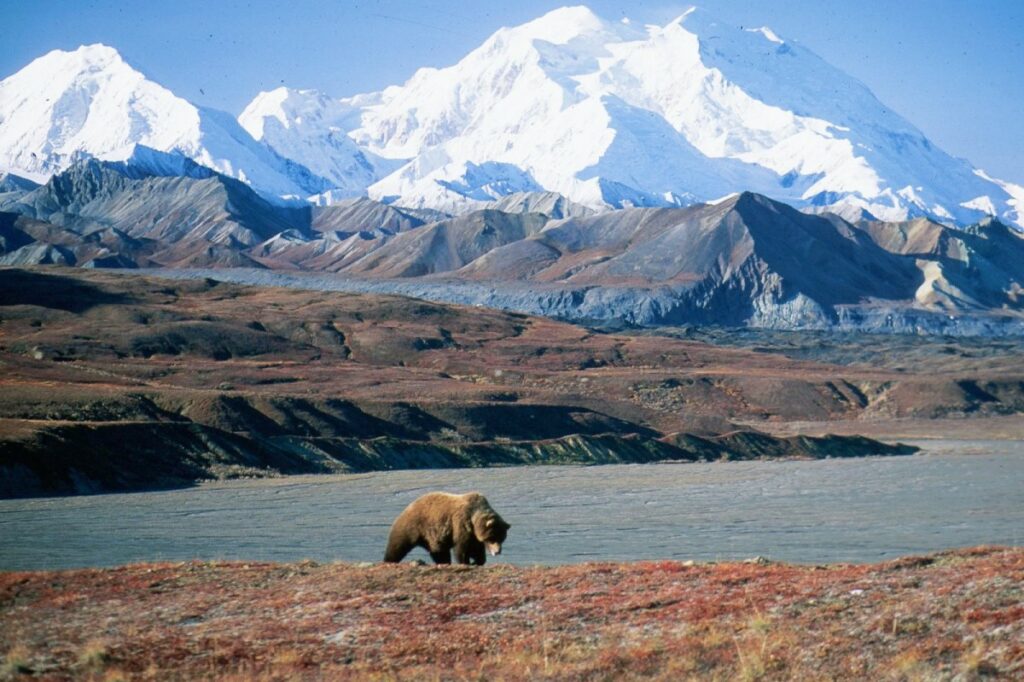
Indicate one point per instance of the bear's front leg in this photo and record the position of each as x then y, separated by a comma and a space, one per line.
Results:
470, 553
441, 556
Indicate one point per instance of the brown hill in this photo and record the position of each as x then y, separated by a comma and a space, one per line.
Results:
234, 380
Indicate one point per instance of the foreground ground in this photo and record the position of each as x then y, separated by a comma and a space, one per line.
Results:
955, 615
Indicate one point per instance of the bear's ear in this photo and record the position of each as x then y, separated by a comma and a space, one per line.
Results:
490, 522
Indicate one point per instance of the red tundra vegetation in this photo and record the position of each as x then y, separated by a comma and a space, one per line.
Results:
954, 615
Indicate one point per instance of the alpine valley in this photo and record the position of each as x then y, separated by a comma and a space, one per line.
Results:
788, 327
571, 167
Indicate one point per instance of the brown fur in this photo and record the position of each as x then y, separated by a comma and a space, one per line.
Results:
441, 522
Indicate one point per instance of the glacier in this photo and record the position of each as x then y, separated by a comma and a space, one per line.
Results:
310, 127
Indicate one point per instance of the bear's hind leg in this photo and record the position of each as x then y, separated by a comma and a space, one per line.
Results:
441, 556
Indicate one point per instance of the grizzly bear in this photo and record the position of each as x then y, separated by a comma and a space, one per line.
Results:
440, 522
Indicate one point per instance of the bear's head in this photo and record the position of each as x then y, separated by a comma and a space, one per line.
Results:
490, 529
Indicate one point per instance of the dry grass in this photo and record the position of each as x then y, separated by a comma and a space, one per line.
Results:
957, 615
16, 661
94, 655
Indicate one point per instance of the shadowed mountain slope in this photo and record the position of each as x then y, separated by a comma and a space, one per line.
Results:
447, 245
745, 260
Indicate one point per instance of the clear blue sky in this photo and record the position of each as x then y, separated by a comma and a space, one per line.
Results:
953, 68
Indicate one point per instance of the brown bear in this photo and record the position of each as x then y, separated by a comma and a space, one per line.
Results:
440, 522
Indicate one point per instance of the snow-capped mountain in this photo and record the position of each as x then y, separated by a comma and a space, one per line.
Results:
311, 128
606, 113
90, 101
609, 114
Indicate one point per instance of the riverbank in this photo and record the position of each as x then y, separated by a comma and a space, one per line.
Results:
75, 458
211, 381
940, 616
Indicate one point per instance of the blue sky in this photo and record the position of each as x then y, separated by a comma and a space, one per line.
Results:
953, 68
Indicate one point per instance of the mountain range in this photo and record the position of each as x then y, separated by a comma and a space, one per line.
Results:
571, 167
606, 114
743, 260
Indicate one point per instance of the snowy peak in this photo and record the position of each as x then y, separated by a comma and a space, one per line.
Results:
562, 100
600, 111
606, 114
90, 101
311, 128
785, 75
288, 108
85, 100
559, 26
95, 57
